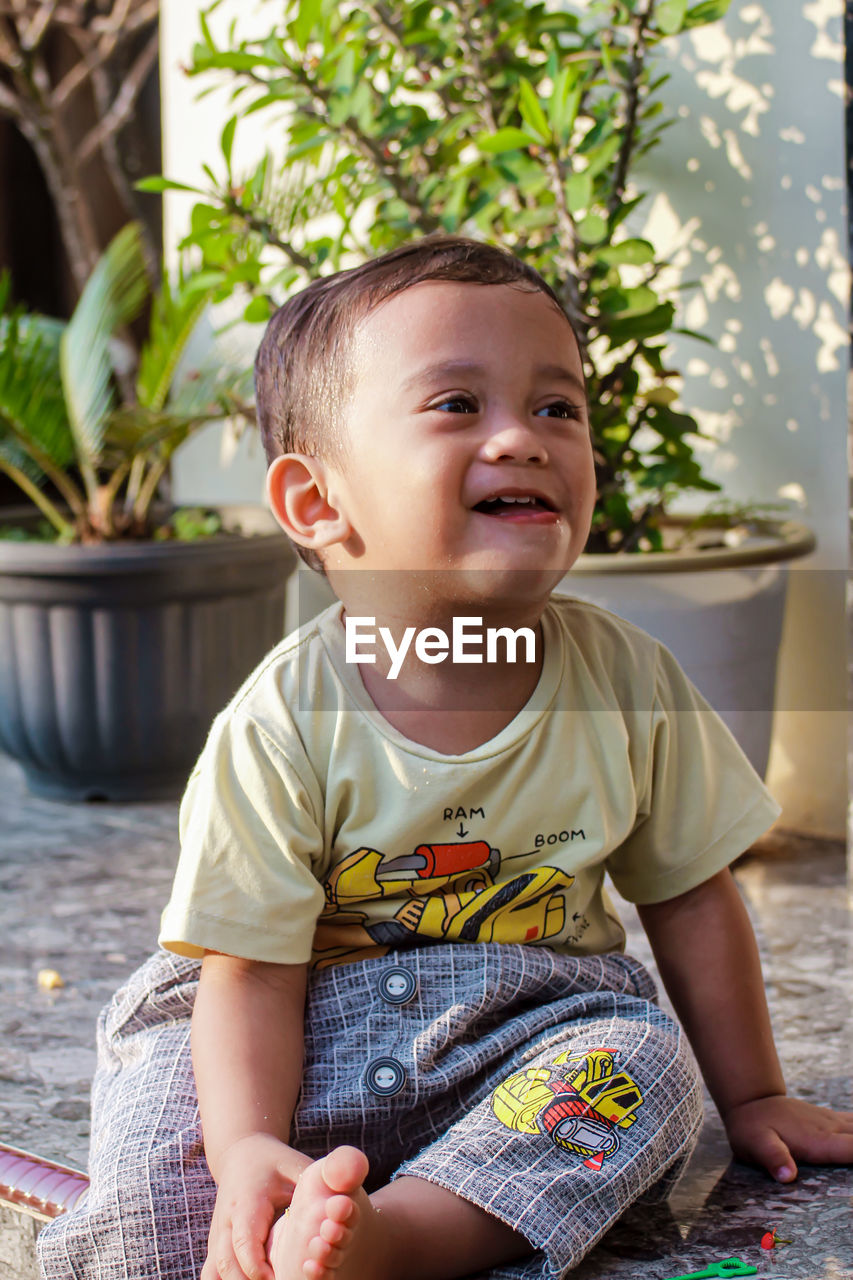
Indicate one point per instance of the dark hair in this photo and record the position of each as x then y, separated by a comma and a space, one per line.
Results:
303, 364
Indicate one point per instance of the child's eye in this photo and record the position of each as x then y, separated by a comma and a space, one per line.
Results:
468, 405
563, 408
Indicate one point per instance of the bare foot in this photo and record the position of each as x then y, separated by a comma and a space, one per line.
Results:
331, 1230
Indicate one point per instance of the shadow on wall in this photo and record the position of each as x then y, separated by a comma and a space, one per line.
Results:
751, 198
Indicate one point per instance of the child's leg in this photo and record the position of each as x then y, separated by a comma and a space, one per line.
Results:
561, 1149
412, 1228
148, 1210
543, 1164
582, 1095
152, 1196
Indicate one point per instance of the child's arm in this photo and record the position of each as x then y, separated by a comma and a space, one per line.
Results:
706, 952
247, 1046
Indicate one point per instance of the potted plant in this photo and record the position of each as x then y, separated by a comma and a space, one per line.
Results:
124, 626
523, 125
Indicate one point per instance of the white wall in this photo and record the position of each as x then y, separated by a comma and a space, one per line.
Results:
756, 179
748, 190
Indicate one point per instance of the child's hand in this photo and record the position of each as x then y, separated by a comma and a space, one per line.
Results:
776, 1131
256, 1180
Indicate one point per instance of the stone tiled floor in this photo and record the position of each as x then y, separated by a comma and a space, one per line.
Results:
81, 888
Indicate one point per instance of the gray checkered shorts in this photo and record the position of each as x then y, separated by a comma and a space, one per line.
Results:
549, 1090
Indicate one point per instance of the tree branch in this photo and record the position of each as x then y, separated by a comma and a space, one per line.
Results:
38, 25
267, 230
566, 223
371, 150
9, 103
90, 61
641, 22
122, 107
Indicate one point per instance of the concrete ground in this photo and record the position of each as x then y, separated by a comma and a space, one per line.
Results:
82, 888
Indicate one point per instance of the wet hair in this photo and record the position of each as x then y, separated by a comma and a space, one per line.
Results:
304, 372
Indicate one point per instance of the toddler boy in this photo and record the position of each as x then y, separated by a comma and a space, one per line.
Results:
418, 1049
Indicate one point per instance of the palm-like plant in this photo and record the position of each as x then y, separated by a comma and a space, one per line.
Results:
74, 414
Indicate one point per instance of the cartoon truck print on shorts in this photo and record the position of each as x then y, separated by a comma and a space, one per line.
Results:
579, 1101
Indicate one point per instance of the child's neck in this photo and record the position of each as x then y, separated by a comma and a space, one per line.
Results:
453, 707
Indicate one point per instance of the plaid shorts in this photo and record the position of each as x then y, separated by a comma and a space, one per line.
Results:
549, 1090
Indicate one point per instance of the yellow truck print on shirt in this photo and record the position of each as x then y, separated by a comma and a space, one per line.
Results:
447, 893
578, 1101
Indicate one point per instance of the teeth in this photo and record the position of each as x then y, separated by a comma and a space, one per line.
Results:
507, 498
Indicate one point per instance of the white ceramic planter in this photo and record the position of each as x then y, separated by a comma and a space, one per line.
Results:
719, 610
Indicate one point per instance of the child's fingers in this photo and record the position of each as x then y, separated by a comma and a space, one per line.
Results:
766, 1148
842, 1120
208, 1271
830, 1147
248, 1236
223, 1262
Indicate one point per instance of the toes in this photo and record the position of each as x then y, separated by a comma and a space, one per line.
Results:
342, 1209
328, 1255
335, 1232
344, 1169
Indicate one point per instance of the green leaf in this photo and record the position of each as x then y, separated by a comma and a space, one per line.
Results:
419, 35
634, 328
157, 185
633, 252
174, 316
669, 424
531, 110
564, 101
661, 396
347, 70
579, 192
258, 311
32, 407
709, 11
600, 157
236, 62
112, 297
454, 207
624, 210
670, 15
227, 141
305, 21
205, 30
599, 131
620, 302
509, 139
592, 228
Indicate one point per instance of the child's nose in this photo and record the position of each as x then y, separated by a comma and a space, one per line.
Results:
513, 440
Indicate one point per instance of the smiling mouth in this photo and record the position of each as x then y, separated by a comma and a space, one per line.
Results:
515, 508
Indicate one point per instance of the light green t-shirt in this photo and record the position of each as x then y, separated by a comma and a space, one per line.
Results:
312, 829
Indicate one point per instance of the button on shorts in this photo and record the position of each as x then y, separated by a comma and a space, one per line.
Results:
549, 1090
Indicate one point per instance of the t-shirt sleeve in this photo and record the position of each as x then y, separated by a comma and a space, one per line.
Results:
700, 803
250, 831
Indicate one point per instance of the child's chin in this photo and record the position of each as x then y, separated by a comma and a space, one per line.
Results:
491, 579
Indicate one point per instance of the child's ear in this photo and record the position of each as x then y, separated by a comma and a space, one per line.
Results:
297, 490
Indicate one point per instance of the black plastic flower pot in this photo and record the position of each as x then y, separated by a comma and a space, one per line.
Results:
115, 659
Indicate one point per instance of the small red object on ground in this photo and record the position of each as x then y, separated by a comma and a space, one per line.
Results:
770, 1240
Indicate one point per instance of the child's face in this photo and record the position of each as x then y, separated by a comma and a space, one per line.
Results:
466, 439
